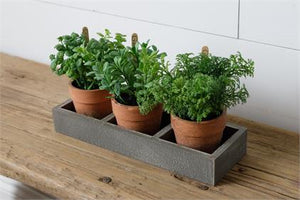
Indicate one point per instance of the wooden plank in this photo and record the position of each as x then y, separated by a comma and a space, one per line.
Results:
84, 167
33, 153
32, 78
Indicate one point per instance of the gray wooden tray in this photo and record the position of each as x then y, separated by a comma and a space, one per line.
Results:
160, 150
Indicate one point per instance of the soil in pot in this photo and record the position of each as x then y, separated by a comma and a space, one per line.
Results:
204, 136
93, 103
129, 117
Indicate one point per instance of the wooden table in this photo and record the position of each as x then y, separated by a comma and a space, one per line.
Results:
33, 153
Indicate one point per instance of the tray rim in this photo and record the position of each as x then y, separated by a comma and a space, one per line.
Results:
157, 136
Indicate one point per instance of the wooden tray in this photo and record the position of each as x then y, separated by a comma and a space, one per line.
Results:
160, 149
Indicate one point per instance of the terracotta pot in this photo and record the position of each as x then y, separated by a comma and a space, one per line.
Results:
130, 117
90, 102
204, 136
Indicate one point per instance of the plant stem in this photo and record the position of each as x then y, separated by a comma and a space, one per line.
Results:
91, 85
78, 84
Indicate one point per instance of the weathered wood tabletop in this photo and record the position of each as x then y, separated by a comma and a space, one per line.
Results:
33, 153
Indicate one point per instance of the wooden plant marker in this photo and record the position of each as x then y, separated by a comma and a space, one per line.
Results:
134, 39
85, 33
205, 50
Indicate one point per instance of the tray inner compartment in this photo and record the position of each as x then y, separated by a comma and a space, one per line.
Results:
227, 133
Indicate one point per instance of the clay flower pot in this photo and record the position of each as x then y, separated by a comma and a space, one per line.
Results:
93, 103
204, 136
130, 117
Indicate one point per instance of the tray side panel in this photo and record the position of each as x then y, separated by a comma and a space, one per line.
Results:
195, 165
135, 145
233, 153
157, 152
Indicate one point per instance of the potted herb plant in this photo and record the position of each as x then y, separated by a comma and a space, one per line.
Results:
75, 57
197, 93
130, 80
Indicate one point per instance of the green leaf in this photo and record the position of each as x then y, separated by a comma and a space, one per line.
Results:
107, 32
53, 65
59, 47
88, 63
79, 63
52, 57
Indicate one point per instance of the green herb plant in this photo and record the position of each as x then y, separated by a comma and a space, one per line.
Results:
131, 77
201, 87
76, 55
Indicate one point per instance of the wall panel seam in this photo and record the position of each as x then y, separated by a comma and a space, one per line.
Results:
171, 26
238, 18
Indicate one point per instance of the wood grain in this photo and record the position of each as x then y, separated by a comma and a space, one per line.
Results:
33, 153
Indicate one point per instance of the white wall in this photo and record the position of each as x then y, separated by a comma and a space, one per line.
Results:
266, 31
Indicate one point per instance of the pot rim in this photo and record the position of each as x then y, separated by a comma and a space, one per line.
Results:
137, 107
123, 105
76, 88
202, 122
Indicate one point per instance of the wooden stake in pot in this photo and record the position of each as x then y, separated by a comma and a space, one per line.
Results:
205, 50
134, 39
85, 33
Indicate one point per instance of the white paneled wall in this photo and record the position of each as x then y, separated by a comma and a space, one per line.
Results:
212, 16
29, 29
274, 22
